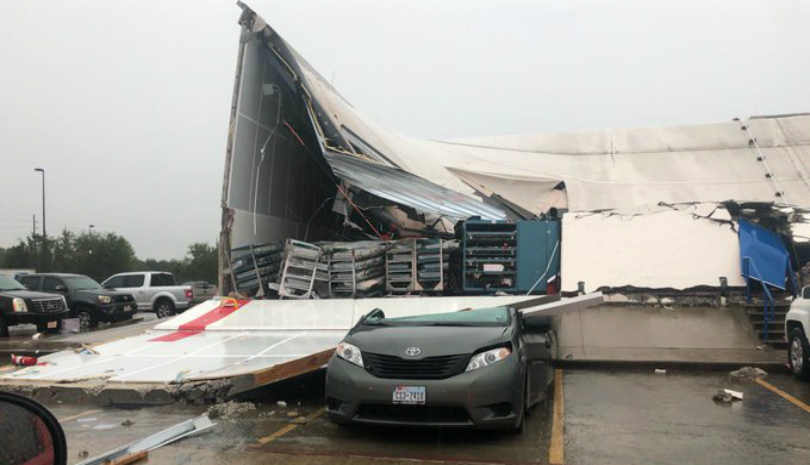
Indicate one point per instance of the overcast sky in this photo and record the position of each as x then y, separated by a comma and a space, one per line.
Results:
126, 103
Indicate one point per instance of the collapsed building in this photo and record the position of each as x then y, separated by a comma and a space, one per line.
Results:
645, 208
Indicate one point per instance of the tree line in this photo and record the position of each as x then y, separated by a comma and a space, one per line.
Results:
100, 255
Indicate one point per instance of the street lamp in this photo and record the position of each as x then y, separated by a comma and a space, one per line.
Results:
44, 231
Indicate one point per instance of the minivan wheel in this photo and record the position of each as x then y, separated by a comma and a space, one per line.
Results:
164, 308
799, 355
86, 319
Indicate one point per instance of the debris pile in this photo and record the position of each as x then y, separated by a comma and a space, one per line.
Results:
748, 374
229, 409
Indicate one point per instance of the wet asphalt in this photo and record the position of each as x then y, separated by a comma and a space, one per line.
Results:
611, 417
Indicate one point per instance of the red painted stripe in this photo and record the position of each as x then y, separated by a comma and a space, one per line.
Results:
198, 325
175, 336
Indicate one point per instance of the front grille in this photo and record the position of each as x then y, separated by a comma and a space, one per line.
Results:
436, 414
48, 305
389, 366
123, 298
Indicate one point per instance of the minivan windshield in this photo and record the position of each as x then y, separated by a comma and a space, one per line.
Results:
8, 284
77, 283
494, 316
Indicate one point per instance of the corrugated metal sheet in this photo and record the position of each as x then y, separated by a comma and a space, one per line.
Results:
406, 189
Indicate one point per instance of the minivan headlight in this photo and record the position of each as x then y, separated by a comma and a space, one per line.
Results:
104, 299
350, 353
18, 305
488, 358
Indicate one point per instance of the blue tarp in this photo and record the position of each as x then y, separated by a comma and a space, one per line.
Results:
769, 260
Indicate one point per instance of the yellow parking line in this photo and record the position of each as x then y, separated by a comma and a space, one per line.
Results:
784, 394
79, 415
289, 428
556, 453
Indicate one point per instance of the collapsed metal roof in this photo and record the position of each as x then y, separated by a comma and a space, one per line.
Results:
407, 189
761, 159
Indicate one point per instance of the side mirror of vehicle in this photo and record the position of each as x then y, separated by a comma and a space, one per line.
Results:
31, 433
537, 324
806, 292
60, 288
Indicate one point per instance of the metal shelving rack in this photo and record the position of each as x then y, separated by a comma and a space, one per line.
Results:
255, 267
490, 256
356, 269
418, 265
306, 271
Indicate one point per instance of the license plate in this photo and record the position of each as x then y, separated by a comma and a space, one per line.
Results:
412, 395
129, 307
53, 324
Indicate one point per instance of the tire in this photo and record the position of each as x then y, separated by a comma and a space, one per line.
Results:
524, 407
3, 328
799, 355
164, 308
87, 320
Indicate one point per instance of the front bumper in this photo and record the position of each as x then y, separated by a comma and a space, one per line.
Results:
21, 318
490, 397
117, 310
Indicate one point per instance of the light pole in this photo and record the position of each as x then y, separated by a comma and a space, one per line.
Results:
44, 231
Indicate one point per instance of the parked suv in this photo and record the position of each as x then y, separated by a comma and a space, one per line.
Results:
797, 331
18, 305
154, 291
88, 301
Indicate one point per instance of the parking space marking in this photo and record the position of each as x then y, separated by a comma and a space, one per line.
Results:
556, 452
78, 415
784, 394
281, 432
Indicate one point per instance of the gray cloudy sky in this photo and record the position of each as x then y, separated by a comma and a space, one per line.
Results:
125, 103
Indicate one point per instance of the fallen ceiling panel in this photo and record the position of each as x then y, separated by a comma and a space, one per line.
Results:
261, 341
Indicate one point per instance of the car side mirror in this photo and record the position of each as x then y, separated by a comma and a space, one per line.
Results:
537, 324
31, 433
60, 288
806, 292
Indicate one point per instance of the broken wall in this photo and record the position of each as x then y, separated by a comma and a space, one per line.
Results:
669, 249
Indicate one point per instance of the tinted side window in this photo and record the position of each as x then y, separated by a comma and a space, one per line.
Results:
117, 281
31, 282
162, 280
133, 281
49, 284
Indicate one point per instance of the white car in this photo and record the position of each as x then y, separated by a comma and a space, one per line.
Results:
797, 330
154, 291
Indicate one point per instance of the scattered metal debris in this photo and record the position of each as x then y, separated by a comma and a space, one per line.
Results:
727, 396
169, 435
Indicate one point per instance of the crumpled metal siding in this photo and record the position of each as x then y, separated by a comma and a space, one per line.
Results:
407, 189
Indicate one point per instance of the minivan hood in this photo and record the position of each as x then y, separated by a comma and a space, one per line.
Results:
431, 340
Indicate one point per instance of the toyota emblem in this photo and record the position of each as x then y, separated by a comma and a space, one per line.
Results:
413, 351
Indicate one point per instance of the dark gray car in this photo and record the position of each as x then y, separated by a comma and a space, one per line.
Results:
481, 368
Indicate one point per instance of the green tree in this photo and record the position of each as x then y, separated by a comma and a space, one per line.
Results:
201, 263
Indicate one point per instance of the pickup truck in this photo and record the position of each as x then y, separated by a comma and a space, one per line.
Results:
19, 305
88, 301
797, 330
202, 291
154, 291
